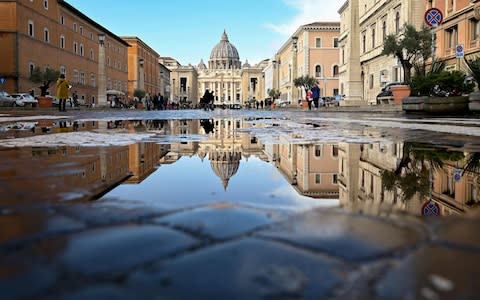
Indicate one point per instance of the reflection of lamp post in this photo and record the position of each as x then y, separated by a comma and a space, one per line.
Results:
102, 78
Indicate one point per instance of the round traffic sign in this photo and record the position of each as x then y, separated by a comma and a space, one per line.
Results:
433, 17
2, 80
430, 208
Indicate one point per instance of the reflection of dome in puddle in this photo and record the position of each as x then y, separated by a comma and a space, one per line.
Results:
225, 164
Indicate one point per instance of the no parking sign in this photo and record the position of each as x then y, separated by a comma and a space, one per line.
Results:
430, 208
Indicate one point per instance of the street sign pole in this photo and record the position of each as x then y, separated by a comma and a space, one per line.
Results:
433, 17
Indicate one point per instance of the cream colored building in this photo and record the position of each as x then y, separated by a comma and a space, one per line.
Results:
311, 50
364, 26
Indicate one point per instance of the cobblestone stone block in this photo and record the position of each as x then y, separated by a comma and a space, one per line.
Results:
244, 269
350, 237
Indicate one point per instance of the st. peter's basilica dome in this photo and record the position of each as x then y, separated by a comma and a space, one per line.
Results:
224, 55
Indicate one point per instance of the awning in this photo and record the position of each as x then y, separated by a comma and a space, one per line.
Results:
115, 92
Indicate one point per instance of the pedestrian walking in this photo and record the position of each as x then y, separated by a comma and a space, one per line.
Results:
62, 92
315, 95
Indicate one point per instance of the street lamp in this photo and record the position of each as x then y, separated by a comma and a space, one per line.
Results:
102, 78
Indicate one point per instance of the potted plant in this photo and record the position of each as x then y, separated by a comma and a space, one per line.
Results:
437, 91
410, 47
45, 78
139, 94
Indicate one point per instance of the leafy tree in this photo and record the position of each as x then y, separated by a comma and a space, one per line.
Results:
45, 78
139, 93
409, 48
306, 81
274, 93
473, 64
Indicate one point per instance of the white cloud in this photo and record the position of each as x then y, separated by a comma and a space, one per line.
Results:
308, 11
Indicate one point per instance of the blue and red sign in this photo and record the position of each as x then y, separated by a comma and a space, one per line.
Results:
430, 208
433, 17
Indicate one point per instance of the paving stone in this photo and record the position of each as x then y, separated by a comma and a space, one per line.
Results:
348, 236
99, 292
21, 226
433, 272
102, 214
218, 222
24, 282
109, 251
460, 231
243, 269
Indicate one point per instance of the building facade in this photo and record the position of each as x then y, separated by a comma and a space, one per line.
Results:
311, 50
143, 66
365, 25
52, 33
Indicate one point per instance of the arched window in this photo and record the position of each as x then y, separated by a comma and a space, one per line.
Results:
46, 35
318, 71
335, 71
62, 41
31, 28
397, 22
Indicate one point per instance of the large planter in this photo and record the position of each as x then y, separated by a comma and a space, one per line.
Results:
435, 105
399, 92
474, 102
44, 102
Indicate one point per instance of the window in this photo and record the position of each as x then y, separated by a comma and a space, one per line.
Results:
317, 179
335, 71
318, 71
451, 37
81, 50
62, 41
81, 30
364, 42
334, 178
384, 30
46, 35
75, 47
370, 81
335, 42
31, 28
318, 43
82, 78
45, 4
31, 67
335, 151
62, 20
450, 5
75, 27
373, 36
63, 70
93, 80
318, 150
474, 29
92, 54
75, 76
397, 22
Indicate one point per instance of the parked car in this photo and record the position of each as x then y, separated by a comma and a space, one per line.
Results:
23, 99
6, 99
386, 92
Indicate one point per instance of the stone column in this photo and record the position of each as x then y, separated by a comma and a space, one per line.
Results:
353, 86
294, 69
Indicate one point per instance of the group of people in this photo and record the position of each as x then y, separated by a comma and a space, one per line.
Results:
206, 102
313, 95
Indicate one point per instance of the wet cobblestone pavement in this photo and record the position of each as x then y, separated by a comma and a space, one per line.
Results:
224, 250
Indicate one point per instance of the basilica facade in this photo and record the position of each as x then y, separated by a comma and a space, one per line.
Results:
232, 82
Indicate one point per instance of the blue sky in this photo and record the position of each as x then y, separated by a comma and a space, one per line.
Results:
188, 30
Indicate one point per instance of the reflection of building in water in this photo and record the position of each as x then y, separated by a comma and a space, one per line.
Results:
144, 158
360, 179
312, 169
85, 171
225, 164
454, 192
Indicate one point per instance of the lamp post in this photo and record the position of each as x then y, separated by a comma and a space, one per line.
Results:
102, 78
294, 69
141, 74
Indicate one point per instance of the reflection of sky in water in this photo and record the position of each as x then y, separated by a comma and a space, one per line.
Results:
191, 182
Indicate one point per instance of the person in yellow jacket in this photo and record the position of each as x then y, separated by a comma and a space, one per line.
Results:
62, 92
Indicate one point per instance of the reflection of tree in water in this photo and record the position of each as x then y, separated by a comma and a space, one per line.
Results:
412, 174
